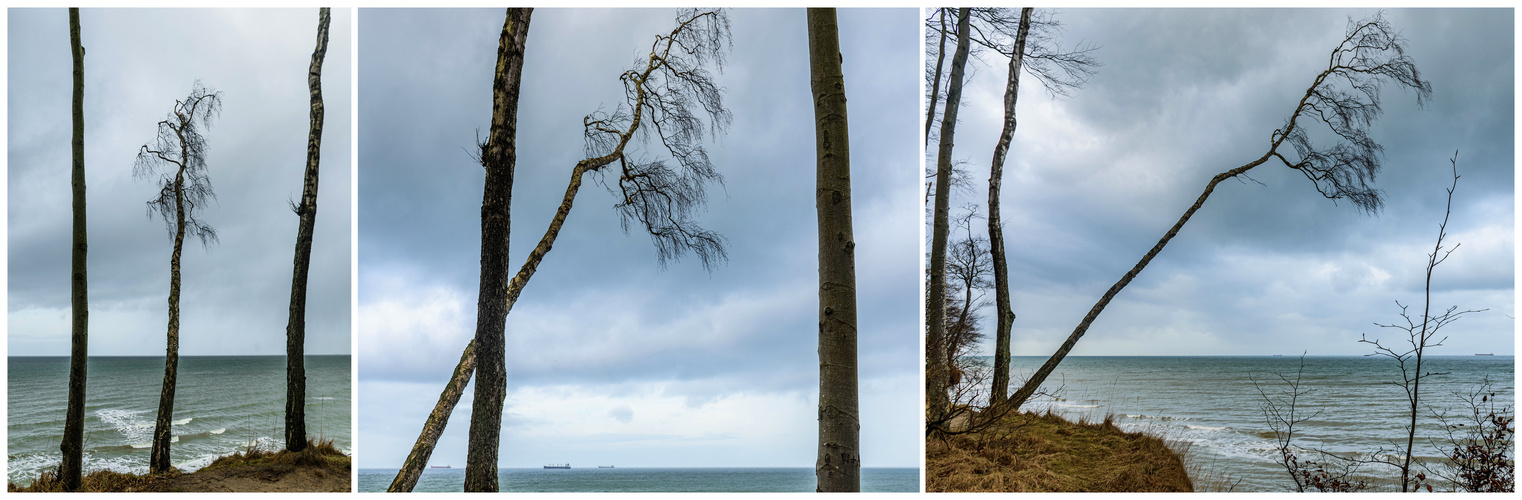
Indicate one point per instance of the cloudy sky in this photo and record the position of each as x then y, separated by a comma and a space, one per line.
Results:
1094, 180
236, 294
610, 358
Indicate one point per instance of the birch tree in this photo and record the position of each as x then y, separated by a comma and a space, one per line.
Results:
295, 328
177, 157
498, 156
1345, 99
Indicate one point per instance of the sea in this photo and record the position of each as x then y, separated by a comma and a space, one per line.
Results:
1210, 407
222, 404
640, 479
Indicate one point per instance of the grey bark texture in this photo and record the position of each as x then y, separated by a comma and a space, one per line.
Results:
417, 460
1344, 97
295, 328
499, 157
72, 446
1006, 314
936, 371
838, 465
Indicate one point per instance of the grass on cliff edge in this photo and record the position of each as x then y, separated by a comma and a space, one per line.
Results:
317, 455
1027, 452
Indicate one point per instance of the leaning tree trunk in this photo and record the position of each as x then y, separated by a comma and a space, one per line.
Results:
936, 400
935, 83
158, 460
499, 156
1034, 383
995, 226
838, 465
412, 469
74, 420
295, 328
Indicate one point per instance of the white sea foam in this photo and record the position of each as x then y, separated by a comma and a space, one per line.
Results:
219, 431
182, 421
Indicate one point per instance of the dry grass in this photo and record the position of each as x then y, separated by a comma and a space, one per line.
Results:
321, 456
1032, 453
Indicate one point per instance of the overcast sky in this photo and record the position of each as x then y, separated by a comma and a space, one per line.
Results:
1094, 180
611, 359
235, 295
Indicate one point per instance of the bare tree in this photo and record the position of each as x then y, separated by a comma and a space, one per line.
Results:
664, 95
1059, 72
1345, 97
1419, 334
935, 75
936, 402
838, 464
295, 328
178, 158
417, 460
1478, 444
1282, 412
499, 156
72, 446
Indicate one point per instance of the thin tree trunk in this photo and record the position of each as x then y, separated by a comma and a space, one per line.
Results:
935, 83
158, 460
295, 328
936, 400
1046, 369
838, 465
412, 469
74, 420
995, 226
499, 157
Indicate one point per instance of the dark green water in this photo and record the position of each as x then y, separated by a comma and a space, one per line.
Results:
221, 404
592, 479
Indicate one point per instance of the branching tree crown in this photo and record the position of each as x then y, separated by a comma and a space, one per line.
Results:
1346, 98
667, 96
178, 157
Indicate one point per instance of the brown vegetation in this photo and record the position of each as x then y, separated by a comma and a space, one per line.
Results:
318, 467
1029, 452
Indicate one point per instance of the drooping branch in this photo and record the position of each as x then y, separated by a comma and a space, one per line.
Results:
1345, 98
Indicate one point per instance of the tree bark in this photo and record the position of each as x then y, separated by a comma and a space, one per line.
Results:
74, 419
1046, 369
412, 469
499, 157
995, 226
838, 465
158, 460
295, 328
936, 400
935, 83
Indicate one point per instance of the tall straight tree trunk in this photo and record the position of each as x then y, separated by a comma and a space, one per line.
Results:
935, 83
838, 465
995, 226
417, 460
936, 400
295, 328
499, 156
79, 297
158, 460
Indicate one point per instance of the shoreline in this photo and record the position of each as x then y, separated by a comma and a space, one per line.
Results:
318, 468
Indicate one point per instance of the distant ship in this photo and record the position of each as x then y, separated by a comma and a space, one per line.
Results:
439, 467
605, 467
1486, 354
558, 466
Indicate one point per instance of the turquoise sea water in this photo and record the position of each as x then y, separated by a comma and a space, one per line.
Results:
633, 479
222, 403
1210, 404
